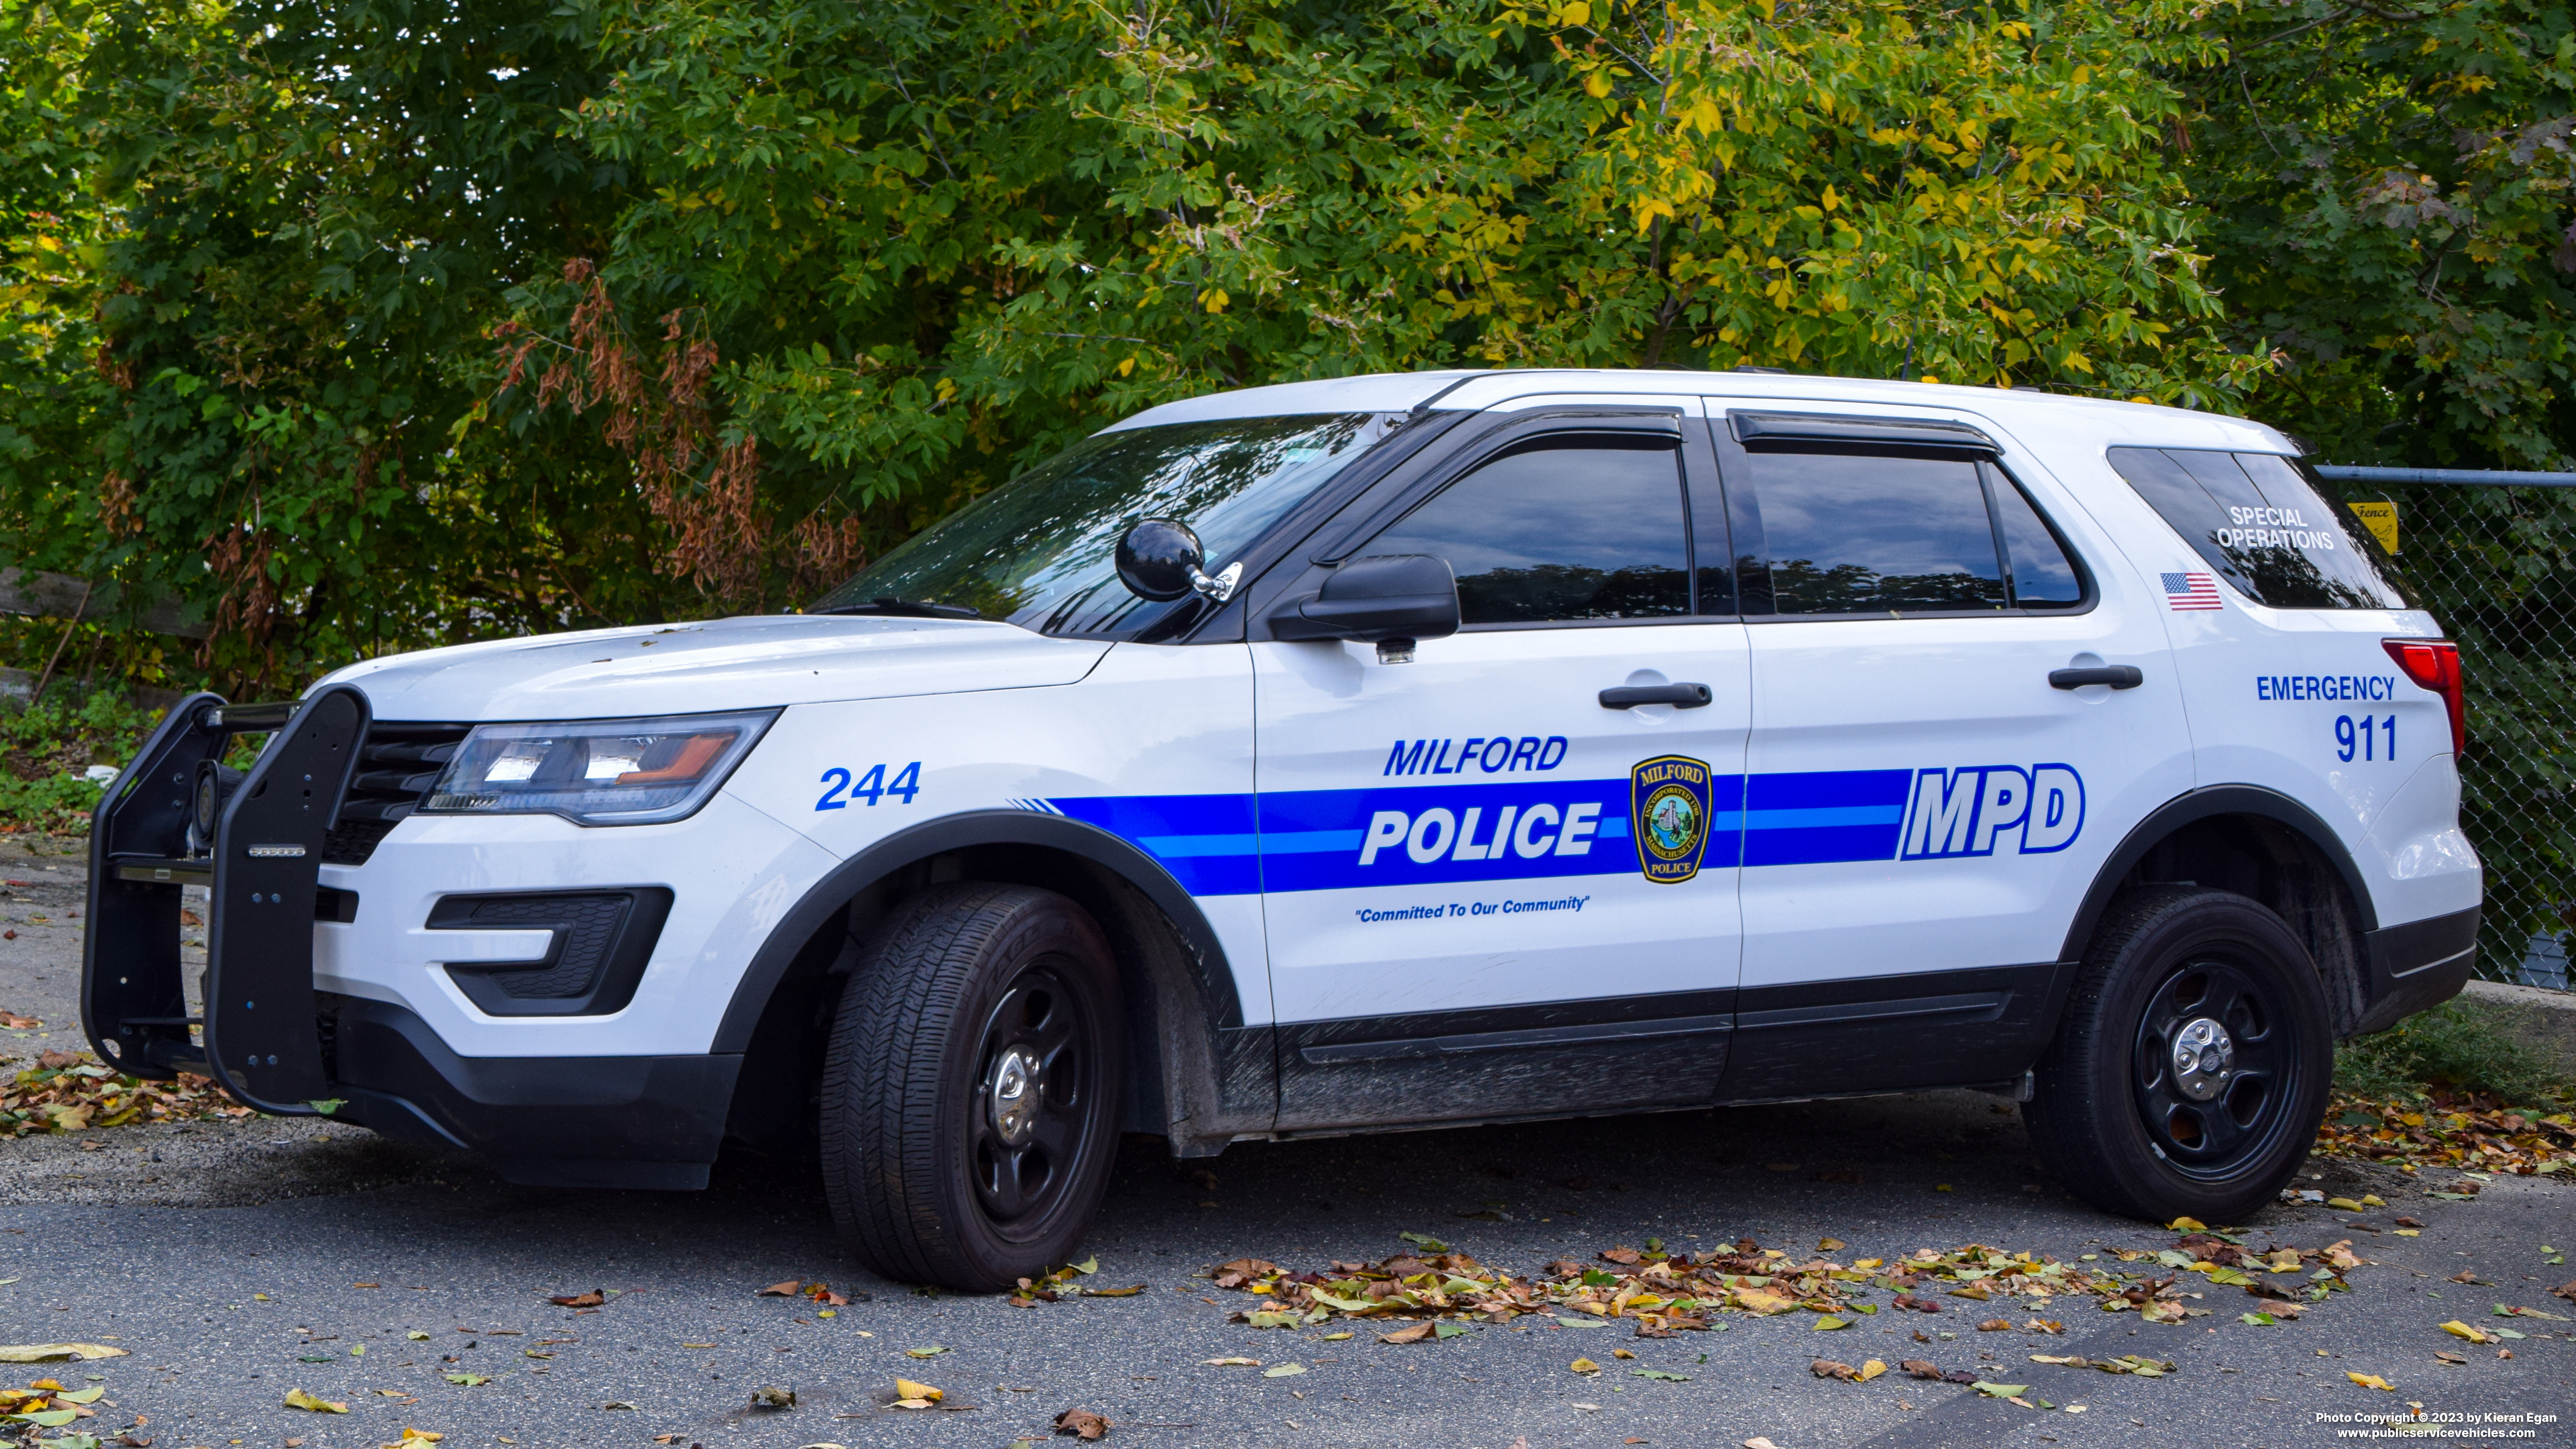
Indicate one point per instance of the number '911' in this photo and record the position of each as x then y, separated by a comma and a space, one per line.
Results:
2372, 737
871, 786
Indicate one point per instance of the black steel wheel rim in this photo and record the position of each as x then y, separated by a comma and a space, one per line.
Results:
1042, 1038
2216, 1068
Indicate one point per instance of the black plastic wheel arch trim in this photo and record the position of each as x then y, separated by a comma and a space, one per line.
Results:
1215, 978
2203, 804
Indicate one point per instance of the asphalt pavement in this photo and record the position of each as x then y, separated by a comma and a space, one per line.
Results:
238, 1261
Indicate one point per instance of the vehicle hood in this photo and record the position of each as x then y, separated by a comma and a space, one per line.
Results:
748, 663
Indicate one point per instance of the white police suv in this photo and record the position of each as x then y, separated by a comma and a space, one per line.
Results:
1381, 752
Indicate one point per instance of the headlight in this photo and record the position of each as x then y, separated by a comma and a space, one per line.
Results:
596, 772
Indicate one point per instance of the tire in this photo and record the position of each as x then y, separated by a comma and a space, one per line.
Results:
971, 991
2136, 1129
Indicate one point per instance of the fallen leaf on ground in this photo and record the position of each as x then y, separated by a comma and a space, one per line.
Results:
1414, 1334
2371, 1381
1584, 1366
1081, 1423
298, 1399
412, 1438
1920, 1368
1995, 1325
1871, 1370
39, 1352
468, 1380
1283, 1371
591, 1299
768, 1397
912, 1389
2455, 1326
1758, 1442
934, 1351
2001, 1391
1660, 1374
2447, 1130
1825, 1368
1231, 1362
788, 1289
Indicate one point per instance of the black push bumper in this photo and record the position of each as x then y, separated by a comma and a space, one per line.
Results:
276, 1045
2416, 965
260, 856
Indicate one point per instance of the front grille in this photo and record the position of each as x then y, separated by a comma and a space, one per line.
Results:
396, 766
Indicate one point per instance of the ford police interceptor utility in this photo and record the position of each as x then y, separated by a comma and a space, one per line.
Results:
1371, 753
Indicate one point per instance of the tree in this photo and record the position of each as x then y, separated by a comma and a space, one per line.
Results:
911, 247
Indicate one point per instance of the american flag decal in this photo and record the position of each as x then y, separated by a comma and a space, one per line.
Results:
2191, 591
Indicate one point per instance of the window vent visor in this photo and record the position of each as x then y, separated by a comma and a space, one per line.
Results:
1755, 429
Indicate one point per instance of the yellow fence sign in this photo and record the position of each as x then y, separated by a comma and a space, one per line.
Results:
2381, 520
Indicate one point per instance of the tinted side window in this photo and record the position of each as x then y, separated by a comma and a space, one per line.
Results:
2262, 524
1553, 533
1852, 534
2043, 574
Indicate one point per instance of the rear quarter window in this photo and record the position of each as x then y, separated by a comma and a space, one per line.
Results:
2266, 524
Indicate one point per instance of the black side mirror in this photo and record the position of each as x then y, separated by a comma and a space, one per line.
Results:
1404, 596
1163, 560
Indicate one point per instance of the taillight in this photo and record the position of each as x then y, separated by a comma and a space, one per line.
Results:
2434, 664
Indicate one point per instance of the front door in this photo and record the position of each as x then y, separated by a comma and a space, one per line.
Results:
1925, 809
1487, 890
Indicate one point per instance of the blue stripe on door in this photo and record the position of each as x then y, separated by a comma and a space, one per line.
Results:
1310, 840
1814, 817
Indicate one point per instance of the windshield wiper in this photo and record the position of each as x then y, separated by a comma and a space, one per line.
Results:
906, 609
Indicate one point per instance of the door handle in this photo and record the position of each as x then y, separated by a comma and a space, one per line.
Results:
1685, 696
2118, 676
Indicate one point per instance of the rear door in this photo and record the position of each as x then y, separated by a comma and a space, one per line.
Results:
1486, 892
1924, 808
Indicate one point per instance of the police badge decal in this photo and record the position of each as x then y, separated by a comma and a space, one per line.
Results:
1668, 804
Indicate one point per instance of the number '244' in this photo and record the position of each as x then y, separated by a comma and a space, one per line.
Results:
871, 786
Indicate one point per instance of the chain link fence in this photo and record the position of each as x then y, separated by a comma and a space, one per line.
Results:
2496, 564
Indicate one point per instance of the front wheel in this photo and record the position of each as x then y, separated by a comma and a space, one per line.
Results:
2192, 1066
969, 1092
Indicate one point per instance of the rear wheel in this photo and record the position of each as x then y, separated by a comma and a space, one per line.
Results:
2192, 1066
969, 1089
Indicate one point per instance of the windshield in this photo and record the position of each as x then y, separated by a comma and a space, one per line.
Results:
1040, 551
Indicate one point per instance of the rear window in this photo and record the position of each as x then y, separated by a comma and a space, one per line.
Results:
2265, 524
